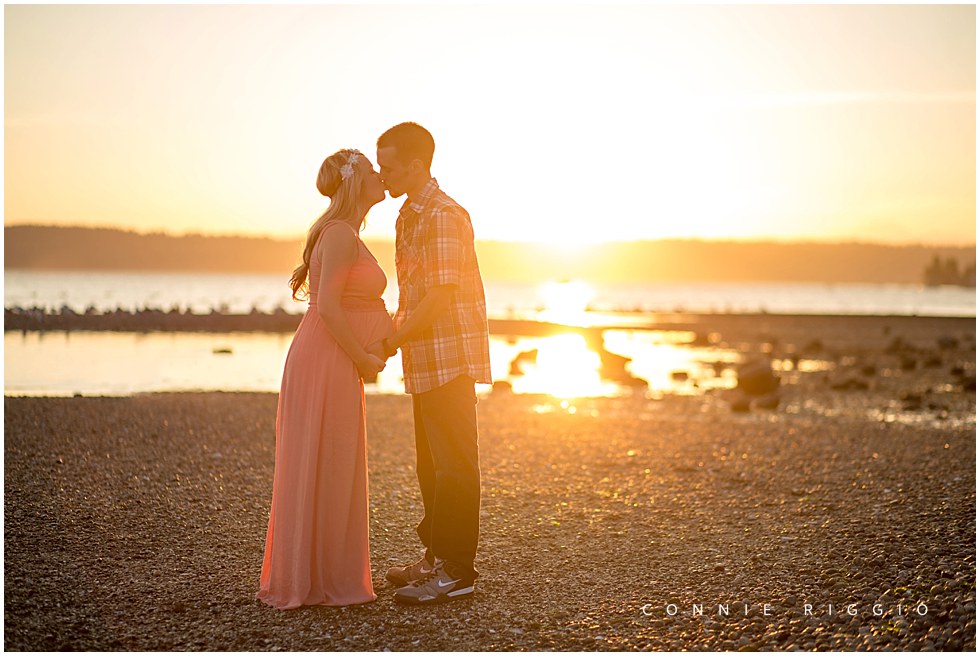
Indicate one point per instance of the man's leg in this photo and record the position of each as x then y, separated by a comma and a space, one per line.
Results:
405, 574
448, 418
427, 478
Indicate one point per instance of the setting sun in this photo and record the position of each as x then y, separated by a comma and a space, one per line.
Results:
659, 121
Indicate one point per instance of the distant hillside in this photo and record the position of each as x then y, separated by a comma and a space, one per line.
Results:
37, 247
707, 261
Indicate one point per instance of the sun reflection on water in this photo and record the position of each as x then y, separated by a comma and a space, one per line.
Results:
565, 302
670, 364
570, 366
564, 367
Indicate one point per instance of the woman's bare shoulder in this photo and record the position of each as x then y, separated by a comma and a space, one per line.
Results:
336, 241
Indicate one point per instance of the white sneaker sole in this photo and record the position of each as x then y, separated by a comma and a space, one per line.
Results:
429, 601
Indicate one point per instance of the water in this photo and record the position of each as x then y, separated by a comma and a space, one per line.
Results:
239, 293
198, 292
124, 363
111, 363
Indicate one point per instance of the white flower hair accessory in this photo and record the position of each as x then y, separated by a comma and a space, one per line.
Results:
347, 170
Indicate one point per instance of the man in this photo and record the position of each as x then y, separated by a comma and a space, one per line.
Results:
441, 330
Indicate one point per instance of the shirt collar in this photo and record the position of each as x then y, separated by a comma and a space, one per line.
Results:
428, 191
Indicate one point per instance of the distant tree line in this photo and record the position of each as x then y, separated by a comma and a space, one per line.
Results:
946, 271
666, 261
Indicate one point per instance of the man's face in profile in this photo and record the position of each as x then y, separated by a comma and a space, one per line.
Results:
394, 173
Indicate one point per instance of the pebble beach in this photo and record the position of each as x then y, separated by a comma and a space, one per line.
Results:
842, 518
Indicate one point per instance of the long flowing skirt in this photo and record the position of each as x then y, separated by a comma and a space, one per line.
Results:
316, 549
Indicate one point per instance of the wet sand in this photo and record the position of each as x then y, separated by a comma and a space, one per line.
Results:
138, 523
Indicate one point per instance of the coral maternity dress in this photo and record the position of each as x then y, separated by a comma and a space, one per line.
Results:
316, 549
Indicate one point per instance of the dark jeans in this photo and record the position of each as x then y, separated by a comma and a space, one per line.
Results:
448, 467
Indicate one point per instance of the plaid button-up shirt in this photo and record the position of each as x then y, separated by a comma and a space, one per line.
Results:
434, 246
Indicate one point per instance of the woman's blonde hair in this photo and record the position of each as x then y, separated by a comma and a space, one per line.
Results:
343, 196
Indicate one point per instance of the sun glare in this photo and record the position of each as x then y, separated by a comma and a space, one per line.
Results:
565, 368
668, 362
566, 302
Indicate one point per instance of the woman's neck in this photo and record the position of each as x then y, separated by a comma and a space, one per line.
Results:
358, 222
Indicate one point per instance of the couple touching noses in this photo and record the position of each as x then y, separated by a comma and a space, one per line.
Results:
317, 549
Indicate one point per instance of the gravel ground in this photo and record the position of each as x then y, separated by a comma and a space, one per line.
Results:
138, 523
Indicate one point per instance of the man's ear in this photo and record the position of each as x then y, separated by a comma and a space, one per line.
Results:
416, 166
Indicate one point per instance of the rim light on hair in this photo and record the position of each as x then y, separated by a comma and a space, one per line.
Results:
343, 195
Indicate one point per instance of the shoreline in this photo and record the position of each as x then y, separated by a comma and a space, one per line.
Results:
908, 362
152, 320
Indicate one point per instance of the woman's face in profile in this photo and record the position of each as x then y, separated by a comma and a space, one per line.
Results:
372, 189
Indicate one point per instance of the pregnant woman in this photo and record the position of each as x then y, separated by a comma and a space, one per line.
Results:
316, 549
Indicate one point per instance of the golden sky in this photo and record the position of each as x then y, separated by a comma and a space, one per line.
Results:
571, 124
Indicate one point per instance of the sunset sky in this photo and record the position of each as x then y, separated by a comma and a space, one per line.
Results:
567, 124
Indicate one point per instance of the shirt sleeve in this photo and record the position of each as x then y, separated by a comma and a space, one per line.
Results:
447, 242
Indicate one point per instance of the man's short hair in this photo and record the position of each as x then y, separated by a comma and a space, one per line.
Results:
411, 141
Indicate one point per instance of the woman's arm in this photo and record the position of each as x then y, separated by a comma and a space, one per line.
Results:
338, 252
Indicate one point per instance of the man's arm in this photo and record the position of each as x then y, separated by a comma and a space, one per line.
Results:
444, 255
433, 304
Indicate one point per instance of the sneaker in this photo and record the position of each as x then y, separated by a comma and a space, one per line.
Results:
402, 575
436, 587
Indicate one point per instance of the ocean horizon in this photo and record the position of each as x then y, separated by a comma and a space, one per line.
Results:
238, 293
